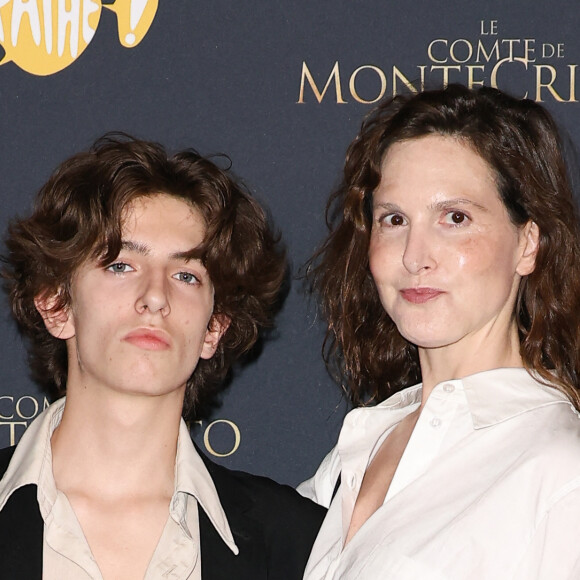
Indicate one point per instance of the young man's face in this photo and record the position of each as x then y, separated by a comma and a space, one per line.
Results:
140, 325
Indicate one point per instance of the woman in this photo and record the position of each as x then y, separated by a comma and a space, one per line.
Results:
452, 265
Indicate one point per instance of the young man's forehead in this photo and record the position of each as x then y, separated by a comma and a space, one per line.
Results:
134, 211
142, 199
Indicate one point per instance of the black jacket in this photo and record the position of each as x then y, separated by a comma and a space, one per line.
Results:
273, 527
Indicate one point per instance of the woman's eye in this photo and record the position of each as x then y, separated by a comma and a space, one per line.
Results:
186, 277
119, 268
393, 219
455, 218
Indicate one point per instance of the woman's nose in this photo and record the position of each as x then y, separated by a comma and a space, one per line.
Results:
419, 252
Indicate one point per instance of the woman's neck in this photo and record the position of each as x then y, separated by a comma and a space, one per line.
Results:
469, 356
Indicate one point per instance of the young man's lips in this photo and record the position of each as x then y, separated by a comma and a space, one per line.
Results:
148, 339
420, 295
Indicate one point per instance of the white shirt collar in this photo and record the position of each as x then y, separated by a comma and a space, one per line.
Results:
32, 464
493, 396
32, 459
193, 478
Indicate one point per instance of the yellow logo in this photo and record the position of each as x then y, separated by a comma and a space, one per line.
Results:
45, 36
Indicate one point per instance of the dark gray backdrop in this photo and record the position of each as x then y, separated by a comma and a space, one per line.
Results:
225, 76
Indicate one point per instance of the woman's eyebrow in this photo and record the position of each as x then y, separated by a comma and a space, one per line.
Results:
387, 206
458, 201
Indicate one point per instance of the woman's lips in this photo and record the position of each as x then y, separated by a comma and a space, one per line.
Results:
420, 295
148, 339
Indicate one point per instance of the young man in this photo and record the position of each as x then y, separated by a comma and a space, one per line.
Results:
138, 280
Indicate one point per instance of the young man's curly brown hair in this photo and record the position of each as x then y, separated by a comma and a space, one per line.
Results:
78, 216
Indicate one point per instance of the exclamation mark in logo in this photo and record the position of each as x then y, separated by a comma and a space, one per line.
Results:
137, 9
134, 17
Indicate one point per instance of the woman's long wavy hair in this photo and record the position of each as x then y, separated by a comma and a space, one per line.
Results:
520, 142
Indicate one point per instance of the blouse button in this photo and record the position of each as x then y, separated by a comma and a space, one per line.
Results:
448, 388
435, 422
352, 481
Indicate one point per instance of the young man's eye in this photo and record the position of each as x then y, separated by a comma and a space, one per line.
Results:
119, 268
455, 218
186, 277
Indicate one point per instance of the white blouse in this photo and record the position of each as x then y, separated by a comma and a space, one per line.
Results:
487, 488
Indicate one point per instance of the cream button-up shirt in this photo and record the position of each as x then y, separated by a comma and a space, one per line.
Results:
66, 553
488, 487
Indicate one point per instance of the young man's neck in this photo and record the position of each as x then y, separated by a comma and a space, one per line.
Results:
116, 441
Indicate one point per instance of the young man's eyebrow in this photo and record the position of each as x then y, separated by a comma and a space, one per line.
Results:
137, 247
187, 255
145, 250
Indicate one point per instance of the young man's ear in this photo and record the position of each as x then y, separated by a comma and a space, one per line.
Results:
217, 326
57, 319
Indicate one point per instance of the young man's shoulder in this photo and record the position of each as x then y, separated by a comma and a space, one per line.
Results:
286, 522
262, 495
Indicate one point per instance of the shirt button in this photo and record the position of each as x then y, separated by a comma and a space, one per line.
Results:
448, 388
435, 422
352, 481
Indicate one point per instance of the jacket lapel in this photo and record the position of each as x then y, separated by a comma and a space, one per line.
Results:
21, 536
21, 531
217, 560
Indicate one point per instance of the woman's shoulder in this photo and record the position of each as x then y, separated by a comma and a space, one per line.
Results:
548, 439
321, 486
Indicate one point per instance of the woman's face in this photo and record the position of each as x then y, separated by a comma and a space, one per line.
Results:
444, 255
